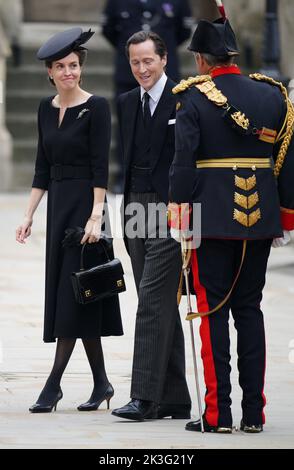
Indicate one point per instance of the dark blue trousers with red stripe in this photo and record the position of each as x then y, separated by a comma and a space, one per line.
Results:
215, 264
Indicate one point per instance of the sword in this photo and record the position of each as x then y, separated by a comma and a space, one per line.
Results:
186, 255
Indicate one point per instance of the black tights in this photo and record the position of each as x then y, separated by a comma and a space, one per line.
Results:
63, 353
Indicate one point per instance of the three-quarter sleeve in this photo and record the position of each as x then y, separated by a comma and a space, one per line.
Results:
100, 134
42, 165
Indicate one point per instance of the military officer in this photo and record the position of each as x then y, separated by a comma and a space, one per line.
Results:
235, 156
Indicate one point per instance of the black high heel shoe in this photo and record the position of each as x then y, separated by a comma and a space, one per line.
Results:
91, 405
40, 407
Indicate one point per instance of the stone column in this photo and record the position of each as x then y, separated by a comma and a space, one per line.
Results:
286, 17
5, 137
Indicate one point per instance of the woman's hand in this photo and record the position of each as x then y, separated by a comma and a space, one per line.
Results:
92, 230
24, 230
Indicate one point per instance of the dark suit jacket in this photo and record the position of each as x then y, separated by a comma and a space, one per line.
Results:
162, 140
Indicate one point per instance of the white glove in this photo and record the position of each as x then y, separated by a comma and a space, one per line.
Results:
179, 234
175, 234
282, 241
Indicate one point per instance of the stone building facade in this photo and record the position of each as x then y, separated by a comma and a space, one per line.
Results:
247, 17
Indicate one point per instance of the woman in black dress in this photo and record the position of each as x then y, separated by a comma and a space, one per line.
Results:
72, 165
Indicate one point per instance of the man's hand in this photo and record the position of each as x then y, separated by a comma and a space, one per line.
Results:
282, 241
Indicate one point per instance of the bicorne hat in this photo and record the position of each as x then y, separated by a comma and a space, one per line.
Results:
216, 38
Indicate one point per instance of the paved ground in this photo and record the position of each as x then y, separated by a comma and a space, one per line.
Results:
25, 360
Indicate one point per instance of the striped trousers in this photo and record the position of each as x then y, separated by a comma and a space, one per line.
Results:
158, 372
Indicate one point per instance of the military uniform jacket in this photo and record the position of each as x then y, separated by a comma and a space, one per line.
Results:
236, 202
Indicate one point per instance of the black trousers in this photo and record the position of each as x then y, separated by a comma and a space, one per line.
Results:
159, 354
215, 264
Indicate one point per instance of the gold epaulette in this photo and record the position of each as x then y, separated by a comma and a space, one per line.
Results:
185, 84
264, 78
287, 129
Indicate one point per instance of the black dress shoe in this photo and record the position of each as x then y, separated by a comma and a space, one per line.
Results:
174, 411
44, 405
196, 426
137, 410
251, 428
93, 404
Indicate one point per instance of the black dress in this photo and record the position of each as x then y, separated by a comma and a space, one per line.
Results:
82, 140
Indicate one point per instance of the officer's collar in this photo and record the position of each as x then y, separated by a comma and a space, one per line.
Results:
224, 70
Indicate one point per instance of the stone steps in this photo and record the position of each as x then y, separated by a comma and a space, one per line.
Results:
95, 56
34, 77
28, 84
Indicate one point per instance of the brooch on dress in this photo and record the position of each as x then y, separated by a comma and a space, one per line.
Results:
81, 113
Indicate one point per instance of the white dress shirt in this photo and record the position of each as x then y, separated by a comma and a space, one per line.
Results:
155, 93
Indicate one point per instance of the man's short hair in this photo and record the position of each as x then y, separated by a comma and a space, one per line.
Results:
217, 60
142, 36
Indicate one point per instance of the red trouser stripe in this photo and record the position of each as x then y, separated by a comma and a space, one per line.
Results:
211, 413
263, 395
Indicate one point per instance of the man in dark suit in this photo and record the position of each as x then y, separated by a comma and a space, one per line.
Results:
147, 121
234, 156
170, 20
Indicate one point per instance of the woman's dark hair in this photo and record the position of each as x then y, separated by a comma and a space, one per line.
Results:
142, 36
82, 55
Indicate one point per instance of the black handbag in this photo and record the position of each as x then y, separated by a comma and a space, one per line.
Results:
99, 282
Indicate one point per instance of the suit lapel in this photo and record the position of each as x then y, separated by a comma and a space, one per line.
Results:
132, 106
163, 112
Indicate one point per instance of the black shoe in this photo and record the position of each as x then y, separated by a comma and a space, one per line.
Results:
137, 410
196, 426
251, 428
46, 406
174, 411
92, 405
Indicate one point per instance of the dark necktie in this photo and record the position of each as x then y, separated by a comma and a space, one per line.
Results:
146, 110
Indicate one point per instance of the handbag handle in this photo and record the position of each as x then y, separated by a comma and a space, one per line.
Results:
82, 266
